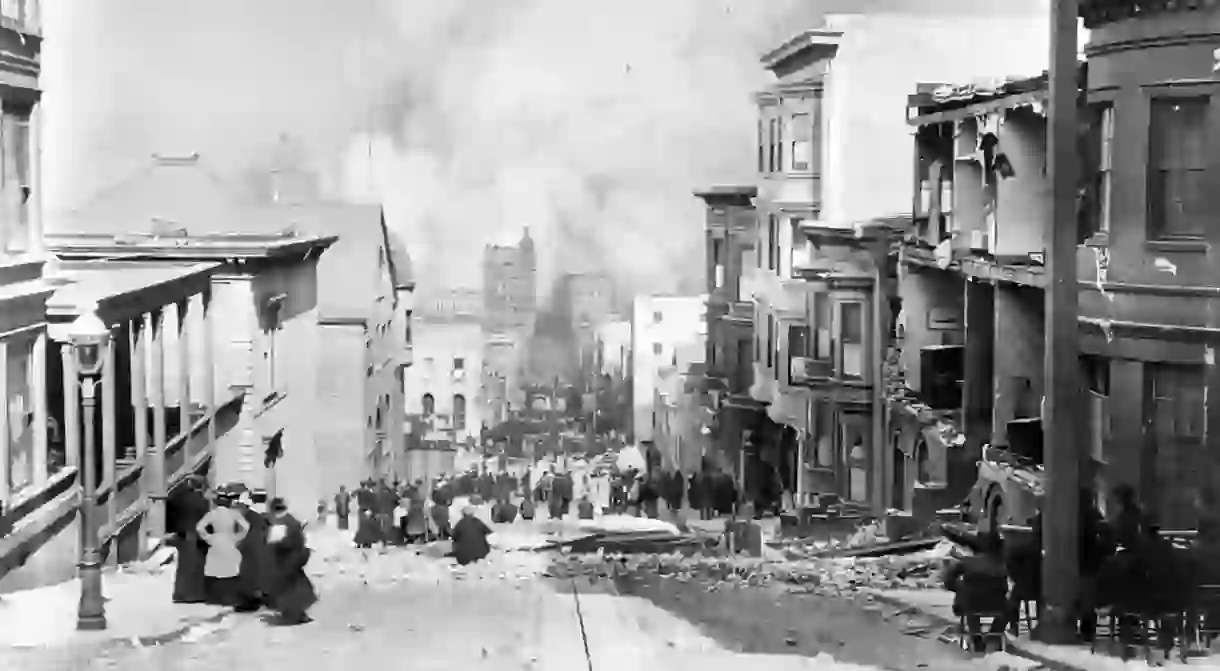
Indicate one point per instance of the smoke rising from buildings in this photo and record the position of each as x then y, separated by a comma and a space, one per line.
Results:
589, 122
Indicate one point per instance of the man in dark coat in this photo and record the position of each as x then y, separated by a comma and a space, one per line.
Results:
343, 507
675, 492
693, 493
185, 507
980, 587
366, 522
288, 587
470, 538
254, 558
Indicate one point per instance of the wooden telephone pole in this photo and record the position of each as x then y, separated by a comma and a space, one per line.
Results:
1061, 502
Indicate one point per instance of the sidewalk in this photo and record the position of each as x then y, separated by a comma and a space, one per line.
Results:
937, 605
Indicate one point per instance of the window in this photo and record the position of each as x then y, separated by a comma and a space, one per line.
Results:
15, 230
459, 412
718, 262
821, 324
855, 456
772, 241
802, 142
798, 340
657, 317
1177, 171
656, 348
428, 405
762, 148
1175, 444
851, 335
458, 364
770, 341
796, 256
772, 135
779, 145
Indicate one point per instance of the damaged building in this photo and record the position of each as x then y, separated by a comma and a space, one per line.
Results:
822, 280
972, 281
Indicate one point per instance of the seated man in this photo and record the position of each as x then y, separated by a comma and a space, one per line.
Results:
584, 508
503, 512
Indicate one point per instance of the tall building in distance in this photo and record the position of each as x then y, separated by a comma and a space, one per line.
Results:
510, 296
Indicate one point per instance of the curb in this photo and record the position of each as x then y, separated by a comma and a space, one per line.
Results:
1013, 647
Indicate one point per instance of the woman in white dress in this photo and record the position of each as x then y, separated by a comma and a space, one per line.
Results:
222, 529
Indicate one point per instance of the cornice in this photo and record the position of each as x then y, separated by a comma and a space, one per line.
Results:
1101, 12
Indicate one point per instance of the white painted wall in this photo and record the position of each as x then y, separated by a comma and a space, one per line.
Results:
867, 168
436, 343
682, 321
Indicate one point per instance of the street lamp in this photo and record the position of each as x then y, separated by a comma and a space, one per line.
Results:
90, 340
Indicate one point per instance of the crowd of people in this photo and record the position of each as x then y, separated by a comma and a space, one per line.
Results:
230, 554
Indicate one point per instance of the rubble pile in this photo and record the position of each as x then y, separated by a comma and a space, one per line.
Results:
830, 576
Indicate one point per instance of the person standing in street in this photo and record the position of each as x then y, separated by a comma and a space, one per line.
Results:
253, 548
343, 507
223, 528
184, 509
366, 523
290, 592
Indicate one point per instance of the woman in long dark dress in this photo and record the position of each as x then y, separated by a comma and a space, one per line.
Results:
470, 538
366, 521
254, 558
288, 587
184, 509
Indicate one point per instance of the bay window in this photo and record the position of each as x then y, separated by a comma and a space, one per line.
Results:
851, 339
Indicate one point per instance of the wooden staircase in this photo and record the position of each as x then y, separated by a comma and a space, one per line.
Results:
38, 516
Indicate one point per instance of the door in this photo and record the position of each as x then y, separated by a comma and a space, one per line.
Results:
854, 456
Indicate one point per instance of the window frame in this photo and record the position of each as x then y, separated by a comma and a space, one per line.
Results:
822, 311
801, 120
1161, 93
841, 309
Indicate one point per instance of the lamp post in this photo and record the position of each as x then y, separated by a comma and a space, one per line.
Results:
90, 340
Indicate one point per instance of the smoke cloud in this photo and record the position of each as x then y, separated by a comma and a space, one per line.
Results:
589, 122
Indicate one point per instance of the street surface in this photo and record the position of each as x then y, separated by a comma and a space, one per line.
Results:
411, 610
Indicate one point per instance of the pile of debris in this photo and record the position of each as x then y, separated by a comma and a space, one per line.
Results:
832, 576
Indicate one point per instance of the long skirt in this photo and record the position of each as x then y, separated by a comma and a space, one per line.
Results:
292, 595
188, 572
343, 522
366, 530
224, 591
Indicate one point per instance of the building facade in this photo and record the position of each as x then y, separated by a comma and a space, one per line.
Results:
1146, 273
822, 317
730, 227
510, 288
659, 326
364, 294
445, 386
683, 421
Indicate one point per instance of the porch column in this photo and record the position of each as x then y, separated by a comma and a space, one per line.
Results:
109, 422
137, 343
209, 371
39, 390
154, 322
71, 427
5, 444
182, 314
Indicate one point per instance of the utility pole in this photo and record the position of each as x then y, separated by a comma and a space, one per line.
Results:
1061, 502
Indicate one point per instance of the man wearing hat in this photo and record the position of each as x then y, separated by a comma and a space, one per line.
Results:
289, 589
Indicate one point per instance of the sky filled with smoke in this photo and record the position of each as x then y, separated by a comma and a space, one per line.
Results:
589, 122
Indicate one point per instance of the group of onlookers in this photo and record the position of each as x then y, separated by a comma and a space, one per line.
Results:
1125, 564
231, 554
